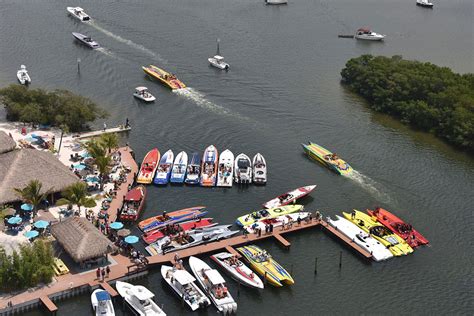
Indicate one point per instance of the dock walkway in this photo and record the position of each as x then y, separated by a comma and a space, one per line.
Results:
119, 129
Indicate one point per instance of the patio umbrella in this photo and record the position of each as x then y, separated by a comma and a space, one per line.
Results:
79, 167
9, 212
14, 220
27, 207
31, 234
123, 232
116, 225
41, 224
131, 239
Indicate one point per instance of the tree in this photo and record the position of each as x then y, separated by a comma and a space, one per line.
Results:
103, 165
76, 194
31, 194
109, 141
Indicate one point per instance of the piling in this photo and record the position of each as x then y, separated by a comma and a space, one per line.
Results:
78, 65
340, 260
316, 265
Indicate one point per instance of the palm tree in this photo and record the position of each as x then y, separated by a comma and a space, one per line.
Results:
31, 194
102, 163
95, 149
109, 141
76, 194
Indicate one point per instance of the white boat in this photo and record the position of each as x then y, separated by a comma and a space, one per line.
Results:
178, 173
289, 197
143, 94
378, 251
368, 35
182, 282
259, 169
237, 270
86, 40
23, 76
277, 221
424, 3
212, 282
218, 60
225, 169
163, 171
139, 298
276, 2
242, 169
102, 303
78, 13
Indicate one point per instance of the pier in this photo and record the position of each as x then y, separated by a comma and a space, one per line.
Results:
113, 130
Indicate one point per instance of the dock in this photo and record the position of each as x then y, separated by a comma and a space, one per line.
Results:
113, 130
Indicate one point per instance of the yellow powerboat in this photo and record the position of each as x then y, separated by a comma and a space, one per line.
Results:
393, 242
253, 217
327, 158
165, 77
264, 265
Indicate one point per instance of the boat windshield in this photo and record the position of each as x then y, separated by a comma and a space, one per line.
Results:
243, 163
380, 231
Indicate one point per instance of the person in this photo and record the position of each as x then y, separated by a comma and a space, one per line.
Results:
176, 258
105, 126
299, 220
353, 214
107, 271
102, 272
127, 123
97, 273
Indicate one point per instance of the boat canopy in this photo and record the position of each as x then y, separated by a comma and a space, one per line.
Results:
134, 195
183, 277
214, 277
218, 58
102, 296
142, 293
141, 89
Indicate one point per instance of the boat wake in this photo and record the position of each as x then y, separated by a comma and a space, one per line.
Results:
369, 185
108, 53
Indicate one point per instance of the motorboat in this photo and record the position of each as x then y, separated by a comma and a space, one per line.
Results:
253, 217
209, 167
78, 13
139, 298
148, 167
23, 76
163, 171
182, 282
259, 169
242, 169
368, 35
156, 222
277, 221
143, 94
276, 2
133, 204
328, 159
212, 282
378, 251
424, 3
289, 197
178, 172
175, 229
193, 171
225, 169
86, 40
218, 61
168, 79
237, 270
102, 303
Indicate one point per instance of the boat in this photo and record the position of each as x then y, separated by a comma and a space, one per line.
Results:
424, 3
168, 79
212, 282
251, 218
218, 61
133, 204
159, 221
225, 169
277, 221
393, 242
289, 197
172, 230
237, 270
194, 169
182, 282
178, 173
399, 227
209, 167
368, 35
148, 166
259, 169
378, 251
143, 94
276, 2
242, 169
78, 13
23, 76
263, 263
102, 303
163, 171
86, 40
327, 158
139, 298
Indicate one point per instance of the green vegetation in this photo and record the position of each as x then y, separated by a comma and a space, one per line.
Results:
32, 194
426, 96
56, 108
76, 194
98, 149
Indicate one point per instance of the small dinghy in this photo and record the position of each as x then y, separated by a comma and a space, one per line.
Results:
178, 172
143, 94
86, 40
237, 270
194, 169
139, 298
368, 35
209, 167
212, 282
424, 3
289, 197
78, 13
242, 169
23, 76
259, 169
277, 221
225, 169
218, 61
102, 303
163, 171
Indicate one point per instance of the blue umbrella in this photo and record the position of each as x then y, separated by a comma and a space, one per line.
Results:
79, 167
14, 220
27, 207
116, 225
31, 234
131, 239
41, 224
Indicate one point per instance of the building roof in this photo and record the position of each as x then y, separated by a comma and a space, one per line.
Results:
6, 143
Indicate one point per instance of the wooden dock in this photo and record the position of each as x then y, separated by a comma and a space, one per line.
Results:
113, 130
49, 305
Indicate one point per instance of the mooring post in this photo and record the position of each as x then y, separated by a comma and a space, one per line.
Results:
316, 265
340, 260
78, 65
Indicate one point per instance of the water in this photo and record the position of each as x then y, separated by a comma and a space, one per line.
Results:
282, 89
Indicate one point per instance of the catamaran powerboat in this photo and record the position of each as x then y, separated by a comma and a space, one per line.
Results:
259, 169
424, 3
139, 298
23, 76
238, 270
143, 94
242, 169
225, 169
86, 40
102, 303
368, 35
218, 61
78, 13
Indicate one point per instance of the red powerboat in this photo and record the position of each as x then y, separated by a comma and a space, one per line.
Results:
148, 167
173, 229
133, 204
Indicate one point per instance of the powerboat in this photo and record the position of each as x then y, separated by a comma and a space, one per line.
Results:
178, 173
225, 169
182, 282
133, 204
276, 2
424, 3
86, 40
143, 94
242, 169
148, 167
209, 167
328, 159
259, 169
166, 78
139, 298
163, 171
194, 169
277, 221
237, 270
102, 303
212, 282
368, 35
253, 217
78, 13
218, 61
23, 76
289, 197
157, 222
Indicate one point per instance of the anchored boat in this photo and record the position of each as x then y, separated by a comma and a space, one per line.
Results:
237, 270
259, 169
148, 166
209, 167
424, 3
253, 217
225, 169
243, 169
289, 197
163, 171
133, 204
102, 303
178, 172
139, 298
368, 35
23, 76
277, 221
143, 94
194, 170
159, 221
168, 79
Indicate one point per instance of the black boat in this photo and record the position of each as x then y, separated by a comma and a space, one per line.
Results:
86, 40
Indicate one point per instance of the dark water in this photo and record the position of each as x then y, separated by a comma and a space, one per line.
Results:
283, 89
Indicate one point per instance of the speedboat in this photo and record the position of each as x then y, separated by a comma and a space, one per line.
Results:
159, 221
276, 2
133, 204
225, 169
251, 218
194, 170
179, 168
218, 61
277, 221
163, 171
242, 169
289, 197
259, 169
148, 166
209, 167
182, 282
262, 262
78, 13
139, 298
368, 35
143, 94
102, 303
23, 76
212, 282
86, 40
328, 159
424, 3
378, 251
168, 79
237, 270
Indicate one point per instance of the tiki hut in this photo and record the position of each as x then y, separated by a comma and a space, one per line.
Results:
82, 240
6, 143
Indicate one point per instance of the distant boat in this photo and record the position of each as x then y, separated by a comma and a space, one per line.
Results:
102, 303
194, 169
23, 76
78, 13
424, 3
143, 94
368, 35
259, 169
218, 61
86, 40
225, 169
276, 2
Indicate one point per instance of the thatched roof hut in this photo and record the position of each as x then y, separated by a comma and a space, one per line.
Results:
81, 240
6, 143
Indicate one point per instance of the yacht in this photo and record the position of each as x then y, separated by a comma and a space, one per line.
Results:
139, 298
23, 76
368, 35
218, 61
78, 13
102, 303
86, 40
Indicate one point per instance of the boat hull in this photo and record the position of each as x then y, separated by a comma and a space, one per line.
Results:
164, 77
209, 167
319, 153
156, 222
133, 204
148, 167
239, 272
188, 226
225, 169
251, 218
289, 197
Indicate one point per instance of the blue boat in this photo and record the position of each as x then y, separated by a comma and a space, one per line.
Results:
194, 169
178, 172
163, 171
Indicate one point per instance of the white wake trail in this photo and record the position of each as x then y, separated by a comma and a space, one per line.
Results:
369, 185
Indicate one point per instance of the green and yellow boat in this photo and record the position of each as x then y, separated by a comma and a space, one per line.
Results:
327, 158
253, 217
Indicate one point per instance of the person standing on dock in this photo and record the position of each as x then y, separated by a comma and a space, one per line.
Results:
107, 271
105, 126
102, 272
97, 273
